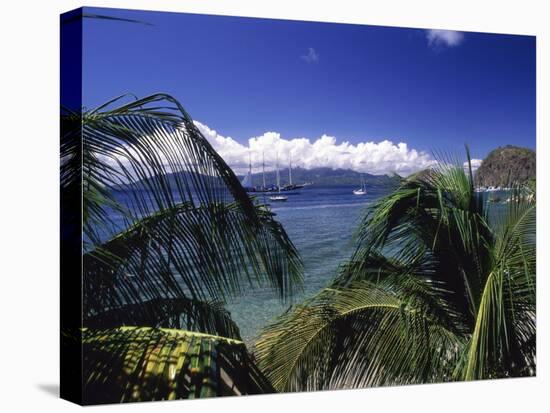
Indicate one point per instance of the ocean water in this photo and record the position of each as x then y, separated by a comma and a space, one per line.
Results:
321, 222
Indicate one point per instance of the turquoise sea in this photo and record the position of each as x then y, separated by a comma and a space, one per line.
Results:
321, 222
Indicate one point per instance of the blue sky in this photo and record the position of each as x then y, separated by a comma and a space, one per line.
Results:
243, 77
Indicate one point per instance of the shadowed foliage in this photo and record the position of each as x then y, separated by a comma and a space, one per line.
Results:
440, 288
164, 252
130, 364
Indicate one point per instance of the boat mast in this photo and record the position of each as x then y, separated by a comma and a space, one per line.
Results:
263, 169
250, 168
290, 169
278, 178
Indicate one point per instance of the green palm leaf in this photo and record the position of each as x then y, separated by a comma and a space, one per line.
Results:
439, 288
129, 364
164, 216
207, 253
363, 335
175, 313
168, 235
435, 226
504, 333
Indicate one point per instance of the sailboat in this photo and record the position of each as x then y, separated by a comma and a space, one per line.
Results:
247, 180
362, 190
279, 197
292, 186
263, 188
290, 170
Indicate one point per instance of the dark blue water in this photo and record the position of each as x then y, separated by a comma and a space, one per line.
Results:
321, 222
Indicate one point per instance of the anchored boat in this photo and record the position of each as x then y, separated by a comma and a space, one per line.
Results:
362, 190
279, 197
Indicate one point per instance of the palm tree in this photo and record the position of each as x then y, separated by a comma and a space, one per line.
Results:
440, 288
169, 235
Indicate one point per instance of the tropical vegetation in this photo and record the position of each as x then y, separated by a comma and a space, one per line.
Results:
441, 286
160, 257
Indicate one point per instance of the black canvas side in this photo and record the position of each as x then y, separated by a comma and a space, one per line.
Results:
71, 212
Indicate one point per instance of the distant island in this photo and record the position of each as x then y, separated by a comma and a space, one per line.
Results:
502, 167
505, 166
318, 176
326, 176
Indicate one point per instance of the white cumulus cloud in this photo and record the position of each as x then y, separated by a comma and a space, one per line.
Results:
449, 38
476, 163
377, 158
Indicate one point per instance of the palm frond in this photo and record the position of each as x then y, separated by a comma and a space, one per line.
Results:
164, 216
362, 335
207, 253
434, 226
502, 342
174, 313
129, 364
436, 290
